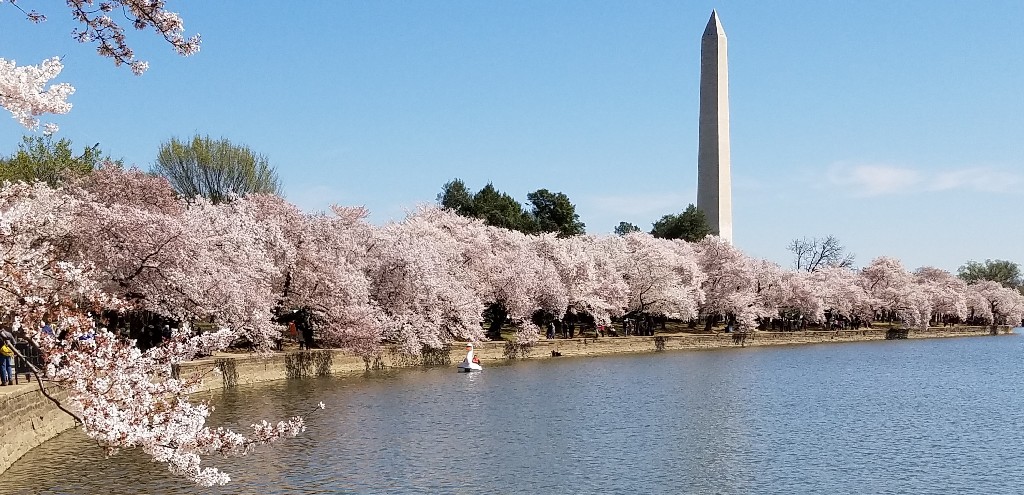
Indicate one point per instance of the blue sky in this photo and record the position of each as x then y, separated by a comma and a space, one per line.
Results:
895, 126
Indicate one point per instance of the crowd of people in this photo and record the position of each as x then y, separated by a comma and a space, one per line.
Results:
643, 326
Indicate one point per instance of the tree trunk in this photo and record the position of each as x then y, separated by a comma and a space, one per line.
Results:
709, 322
498, 315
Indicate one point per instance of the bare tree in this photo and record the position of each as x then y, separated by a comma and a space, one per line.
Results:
813, 254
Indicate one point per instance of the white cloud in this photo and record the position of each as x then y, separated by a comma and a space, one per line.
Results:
877, 180
982, 179
873, 180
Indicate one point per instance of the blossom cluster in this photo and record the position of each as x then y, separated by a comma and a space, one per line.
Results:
424, 281
23, 89
100, 28
24, 93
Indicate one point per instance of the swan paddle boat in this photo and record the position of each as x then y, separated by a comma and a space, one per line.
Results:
471, 363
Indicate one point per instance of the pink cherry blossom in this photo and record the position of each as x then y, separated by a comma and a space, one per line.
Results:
24, 91
418, 281
120, 241
731, 286
100, 28
994, 303
661, 276
124, 397
946, 293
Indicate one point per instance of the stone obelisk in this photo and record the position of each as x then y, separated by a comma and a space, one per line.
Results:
714, 183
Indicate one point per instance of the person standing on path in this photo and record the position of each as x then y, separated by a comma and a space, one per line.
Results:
293, 333
6, 356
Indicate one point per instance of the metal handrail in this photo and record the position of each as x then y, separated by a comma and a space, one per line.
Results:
26, 357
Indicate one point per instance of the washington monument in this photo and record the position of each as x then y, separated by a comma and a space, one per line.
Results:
714, 183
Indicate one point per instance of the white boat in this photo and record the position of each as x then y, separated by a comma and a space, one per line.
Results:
471, 363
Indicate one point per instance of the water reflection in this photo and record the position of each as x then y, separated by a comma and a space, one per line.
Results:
885, 417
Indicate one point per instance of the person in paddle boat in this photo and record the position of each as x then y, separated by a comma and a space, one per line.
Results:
471, 356
471, 362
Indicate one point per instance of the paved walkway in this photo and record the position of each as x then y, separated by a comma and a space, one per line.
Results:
16, 389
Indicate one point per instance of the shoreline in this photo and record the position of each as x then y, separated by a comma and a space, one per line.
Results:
682, 341
30, 419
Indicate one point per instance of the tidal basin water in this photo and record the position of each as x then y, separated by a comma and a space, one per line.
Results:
923, 416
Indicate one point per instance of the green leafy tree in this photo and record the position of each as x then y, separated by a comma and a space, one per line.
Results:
498, 209
40, 158
550, 212
624, 228
456, 197
215, 169
690, 225
494, 207
1005, 272
554, 212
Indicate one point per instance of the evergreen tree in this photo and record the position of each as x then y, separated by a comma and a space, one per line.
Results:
456, 197
690, 225
498, 209
555, 213
624, 228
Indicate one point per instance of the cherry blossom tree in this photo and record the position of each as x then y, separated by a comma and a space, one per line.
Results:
549, 279
731, 286
232, 276
236, 264
661, 276
419, 280
841, 294
995, 304
98, 27
35, 225
185, 261
24, 91
947, 293
888, 287
498, 265
322, 269
112, 184
516, 282
587, 272
779, 291
122, 396
126, 398
918, 309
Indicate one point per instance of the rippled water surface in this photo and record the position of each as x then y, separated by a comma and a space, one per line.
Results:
922, 416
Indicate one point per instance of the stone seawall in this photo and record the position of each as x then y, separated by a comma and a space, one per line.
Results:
28, 419
697, 341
